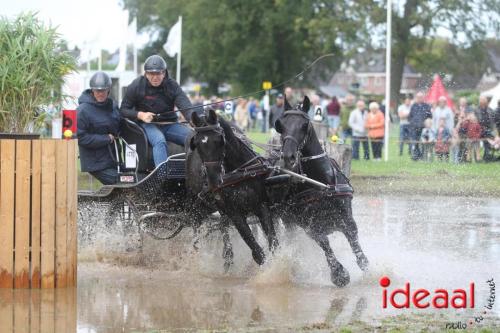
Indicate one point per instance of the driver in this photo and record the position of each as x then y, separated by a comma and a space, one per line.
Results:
98, 123
150, 99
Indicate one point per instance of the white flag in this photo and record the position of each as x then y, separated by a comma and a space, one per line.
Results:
132, 31
128, 36
90, 50
173, 44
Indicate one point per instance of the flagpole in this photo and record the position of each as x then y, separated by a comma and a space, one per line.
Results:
388, 79
135, 44
178, 76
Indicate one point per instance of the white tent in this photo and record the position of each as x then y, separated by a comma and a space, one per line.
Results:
494, 93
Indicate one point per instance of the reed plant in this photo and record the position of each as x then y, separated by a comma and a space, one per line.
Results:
33, 63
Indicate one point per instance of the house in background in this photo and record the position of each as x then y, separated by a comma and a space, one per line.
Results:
492, 75
365, 75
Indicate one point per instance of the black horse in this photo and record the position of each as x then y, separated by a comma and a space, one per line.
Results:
234, 173
318, 211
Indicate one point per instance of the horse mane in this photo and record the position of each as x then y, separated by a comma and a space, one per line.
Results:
237, 151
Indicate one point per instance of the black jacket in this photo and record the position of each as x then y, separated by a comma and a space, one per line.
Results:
142, 96
497, 119
95, 122
486, 120
419, 112
276, 112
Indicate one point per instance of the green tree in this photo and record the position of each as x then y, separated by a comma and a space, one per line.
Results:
416, 22
247, 42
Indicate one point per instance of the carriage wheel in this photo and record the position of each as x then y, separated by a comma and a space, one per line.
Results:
161, 226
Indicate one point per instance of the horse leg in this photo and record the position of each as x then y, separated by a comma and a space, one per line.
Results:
227, 250
338, 274
266, 221
350, 230
244, 230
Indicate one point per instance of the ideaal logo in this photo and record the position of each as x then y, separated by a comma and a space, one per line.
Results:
423, 298
439, 299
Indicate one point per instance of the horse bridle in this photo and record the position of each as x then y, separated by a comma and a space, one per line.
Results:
218, 130
300, 145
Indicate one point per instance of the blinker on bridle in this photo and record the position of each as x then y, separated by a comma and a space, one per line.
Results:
218, 130
300, 145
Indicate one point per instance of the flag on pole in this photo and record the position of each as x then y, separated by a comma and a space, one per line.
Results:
128, 36
173, 44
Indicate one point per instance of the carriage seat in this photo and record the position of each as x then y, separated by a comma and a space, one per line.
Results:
135, 136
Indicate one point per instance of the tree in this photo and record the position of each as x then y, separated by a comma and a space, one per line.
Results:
247, 42
419, 21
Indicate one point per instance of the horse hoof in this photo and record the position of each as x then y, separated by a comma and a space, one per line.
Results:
259, 257
340, 276
363, 262
273, 245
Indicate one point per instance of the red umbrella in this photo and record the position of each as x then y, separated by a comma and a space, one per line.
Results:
437, 90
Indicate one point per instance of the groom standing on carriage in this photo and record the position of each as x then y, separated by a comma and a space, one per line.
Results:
150, 100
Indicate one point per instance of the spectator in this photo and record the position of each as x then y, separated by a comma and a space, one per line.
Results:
428, 138
404, 125
241, 114
463, 105
484, 115
442, 111
252, 112
375, 123
419, 112
473, 130
345, 112
357, 120
443, 136
497, 117
315, 104
289, 95
276, 110
459, 139
333, 115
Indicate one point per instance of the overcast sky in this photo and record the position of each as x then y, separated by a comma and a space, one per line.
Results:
78, 21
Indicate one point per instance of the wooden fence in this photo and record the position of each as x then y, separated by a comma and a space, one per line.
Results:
38, 212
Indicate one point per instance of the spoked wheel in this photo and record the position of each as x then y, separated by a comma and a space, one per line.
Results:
161, 226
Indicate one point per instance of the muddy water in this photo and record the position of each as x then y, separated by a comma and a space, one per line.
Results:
431, 242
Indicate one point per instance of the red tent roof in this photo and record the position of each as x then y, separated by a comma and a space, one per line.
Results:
437, 90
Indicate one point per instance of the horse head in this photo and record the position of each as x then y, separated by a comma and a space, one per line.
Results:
295, 127
209, 141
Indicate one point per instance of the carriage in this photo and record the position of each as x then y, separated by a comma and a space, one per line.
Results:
150, 198
155, 199
234, 180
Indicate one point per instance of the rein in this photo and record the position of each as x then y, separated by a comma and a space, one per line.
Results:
252, 168
262, 90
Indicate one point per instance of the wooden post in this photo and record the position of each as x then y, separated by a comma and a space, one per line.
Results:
342, 153
321, 130
38, 212
22, 211
48, 214
7, 177
36, 188
61, 213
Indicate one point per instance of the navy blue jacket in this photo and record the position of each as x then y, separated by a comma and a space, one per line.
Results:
419, 112
95, 122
